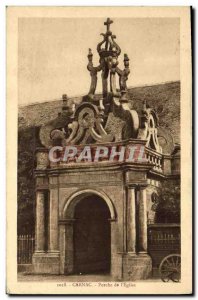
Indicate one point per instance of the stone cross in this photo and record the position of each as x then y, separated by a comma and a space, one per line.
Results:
108, 23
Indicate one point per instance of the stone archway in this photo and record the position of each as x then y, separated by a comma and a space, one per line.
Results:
87, 230
68, 211
92, 236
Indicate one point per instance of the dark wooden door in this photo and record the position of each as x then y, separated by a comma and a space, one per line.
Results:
92, 236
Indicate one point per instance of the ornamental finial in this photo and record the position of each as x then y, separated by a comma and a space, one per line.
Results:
109, 52
108, 45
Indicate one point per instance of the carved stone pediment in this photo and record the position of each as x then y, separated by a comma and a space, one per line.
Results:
107, 118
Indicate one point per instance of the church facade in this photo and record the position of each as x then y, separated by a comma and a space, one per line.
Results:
92, 216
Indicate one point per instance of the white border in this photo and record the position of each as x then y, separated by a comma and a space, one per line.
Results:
4, 3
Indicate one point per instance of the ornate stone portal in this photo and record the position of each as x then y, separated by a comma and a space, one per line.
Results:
123, 188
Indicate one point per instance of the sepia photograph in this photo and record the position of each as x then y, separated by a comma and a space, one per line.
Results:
102, 163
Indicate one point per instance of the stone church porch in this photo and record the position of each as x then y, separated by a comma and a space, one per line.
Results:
92, 217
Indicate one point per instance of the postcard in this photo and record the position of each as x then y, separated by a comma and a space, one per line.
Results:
99, 150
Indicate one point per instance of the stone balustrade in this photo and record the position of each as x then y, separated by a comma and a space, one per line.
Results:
155, 159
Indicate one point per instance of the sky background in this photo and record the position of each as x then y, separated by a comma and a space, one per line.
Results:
52, 54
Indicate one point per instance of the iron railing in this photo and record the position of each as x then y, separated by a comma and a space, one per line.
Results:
25, 248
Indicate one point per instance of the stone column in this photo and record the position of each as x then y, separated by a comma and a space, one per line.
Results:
62, 247
40, 219
131, 221
53, 221
142, 220
69, 246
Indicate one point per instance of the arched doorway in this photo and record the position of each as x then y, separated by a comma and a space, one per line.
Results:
91, 236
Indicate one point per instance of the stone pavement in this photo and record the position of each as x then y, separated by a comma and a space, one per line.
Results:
71, 278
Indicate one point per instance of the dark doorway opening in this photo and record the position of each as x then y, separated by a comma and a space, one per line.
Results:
92, 236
